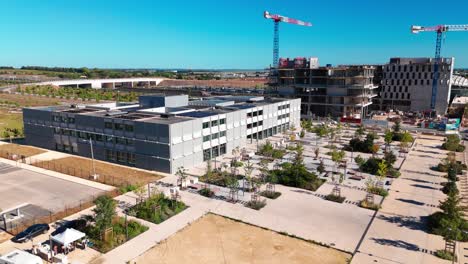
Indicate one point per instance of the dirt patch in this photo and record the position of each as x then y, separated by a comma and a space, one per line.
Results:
31, 100
4, 237
7, 150
215, 239
111, 174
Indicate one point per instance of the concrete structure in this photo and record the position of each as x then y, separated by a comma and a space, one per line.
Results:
343, 91
459, 86
105, 83
160, 132
407, 84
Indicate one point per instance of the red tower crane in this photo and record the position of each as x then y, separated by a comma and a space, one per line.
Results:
276, 19
440, 30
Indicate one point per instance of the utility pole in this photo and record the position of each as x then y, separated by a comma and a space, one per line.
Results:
92, 157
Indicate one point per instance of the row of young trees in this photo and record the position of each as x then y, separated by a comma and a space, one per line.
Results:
450, 222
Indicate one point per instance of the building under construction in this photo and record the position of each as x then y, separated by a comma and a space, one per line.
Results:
342, 91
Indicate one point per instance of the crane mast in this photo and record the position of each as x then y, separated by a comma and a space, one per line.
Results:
440, 31
277, 19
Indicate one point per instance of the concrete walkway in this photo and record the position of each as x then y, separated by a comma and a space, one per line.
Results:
397, 233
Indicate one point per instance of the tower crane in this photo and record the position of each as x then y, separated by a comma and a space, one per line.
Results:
277, 19
440, 30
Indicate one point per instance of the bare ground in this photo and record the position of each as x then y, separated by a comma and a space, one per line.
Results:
109, 173
215, 239
19, 150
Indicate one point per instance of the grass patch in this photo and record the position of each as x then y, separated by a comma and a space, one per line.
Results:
118, 235
372, 206
206, 192
256, 205
441, 253
270, 195
19, 150
379, 191
109, 173
157, 209
335, 198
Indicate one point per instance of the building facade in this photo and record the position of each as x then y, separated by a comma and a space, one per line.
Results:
159, 133
407, 84
342, 91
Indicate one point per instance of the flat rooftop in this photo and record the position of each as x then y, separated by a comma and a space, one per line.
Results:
170, 115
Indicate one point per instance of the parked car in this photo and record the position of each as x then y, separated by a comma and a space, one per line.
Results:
31, 232
78, 224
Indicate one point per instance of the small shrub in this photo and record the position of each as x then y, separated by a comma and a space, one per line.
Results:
335, 198
128, 188
206, 192
372, 206
379, 191
393, 173
256, 205
270, 195
441, 253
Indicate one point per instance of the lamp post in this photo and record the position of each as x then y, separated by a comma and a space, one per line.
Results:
92, 157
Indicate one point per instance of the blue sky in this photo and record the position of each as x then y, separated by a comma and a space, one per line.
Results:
221, 34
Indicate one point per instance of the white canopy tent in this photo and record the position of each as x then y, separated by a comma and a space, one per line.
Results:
68, 236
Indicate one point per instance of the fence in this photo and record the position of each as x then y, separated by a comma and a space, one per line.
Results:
75, 171
15, 227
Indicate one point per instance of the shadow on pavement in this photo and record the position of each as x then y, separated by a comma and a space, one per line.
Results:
410, 201
424, 186
396, 243
414, 223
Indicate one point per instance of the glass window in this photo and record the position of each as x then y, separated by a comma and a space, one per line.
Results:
249, 125
215, 136
131, 158
249, 114
99, 137
222, 134
215, 151
130, 142
260, 112
121, 141
71, 120
255, 113
121, 156
119, 126
206, 125
57, 131
206, 138
129, 128
222, 121
222, 149
108, 125
206, 154
214, 123
109, 139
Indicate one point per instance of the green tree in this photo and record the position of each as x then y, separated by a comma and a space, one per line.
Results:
388, 138
104, 212
182, 174
321, 167
360, 131
397, 126
382, 170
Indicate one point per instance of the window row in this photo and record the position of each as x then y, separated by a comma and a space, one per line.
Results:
268, 132
94, 137
282, 107
214, 123
283, 116
214, 136
120, 157
214, 152
255, 113
118, 126
400, 89
63, 119
402, 96
255, 124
